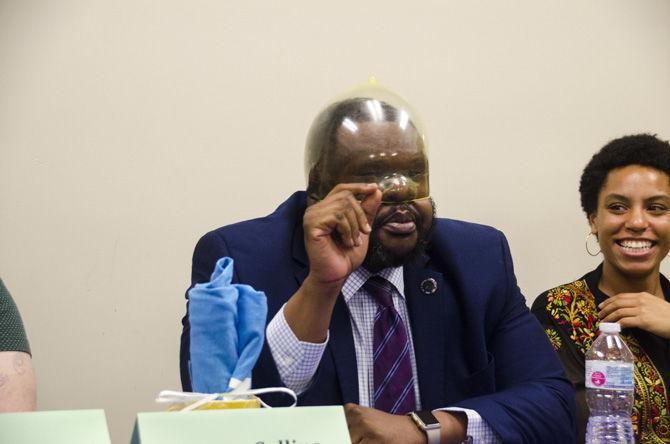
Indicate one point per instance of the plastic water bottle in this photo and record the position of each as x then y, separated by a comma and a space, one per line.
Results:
609, 388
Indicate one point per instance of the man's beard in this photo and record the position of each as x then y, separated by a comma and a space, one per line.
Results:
379, 257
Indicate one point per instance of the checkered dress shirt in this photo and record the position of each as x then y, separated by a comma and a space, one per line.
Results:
297, 361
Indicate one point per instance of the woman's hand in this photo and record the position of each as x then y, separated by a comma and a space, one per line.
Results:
641, 310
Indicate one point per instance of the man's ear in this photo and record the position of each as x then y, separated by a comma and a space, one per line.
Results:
314, 185
317, 175
314, 179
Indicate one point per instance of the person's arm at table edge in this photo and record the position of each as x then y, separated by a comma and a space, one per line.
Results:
18, 391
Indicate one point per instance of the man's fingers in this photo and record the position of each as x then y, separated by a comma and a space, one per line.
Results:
370, 206
367, 195
343, 228
361, 217
344, 214
352, 219
357, 189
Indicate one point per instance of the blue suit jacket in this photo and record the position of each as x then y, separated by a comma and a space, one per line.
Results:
476, 344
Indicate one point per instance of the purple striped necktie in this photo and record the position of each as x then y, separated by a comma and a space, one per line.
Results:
393, 379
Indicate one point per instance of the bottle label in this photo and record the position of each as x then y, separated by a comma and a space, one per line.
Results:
609, 375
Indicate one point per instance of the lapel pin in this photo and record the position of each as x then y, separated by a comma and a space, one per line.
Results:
428, 286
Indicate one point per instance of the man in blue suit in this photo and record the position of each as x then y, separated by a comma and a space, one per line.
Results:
376, 304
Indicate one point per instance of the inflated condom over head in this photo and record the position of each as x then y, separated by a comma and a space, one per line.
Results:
373, 104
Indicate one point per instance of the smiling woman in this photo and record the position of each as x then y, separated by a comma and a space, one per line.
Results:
625, 193
632, 224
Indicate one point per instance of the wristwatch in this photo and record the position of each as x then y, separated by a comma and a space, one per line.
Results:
425, 420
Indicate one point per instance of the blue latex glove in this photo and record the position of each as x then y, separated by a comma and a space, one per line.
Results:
227, 330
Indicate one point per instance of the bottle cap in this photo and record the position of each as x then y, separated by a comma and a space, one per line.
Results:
610, 327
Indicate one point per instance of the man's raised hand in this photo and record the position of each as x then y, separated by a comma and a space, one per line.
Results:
337, 230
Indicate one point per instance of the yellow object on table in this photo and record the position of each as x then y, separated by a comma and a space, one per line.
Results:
252, 402
237, 399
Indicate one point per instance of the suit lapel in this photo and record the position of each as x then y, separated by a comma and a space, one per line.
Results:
300, 260
431, 315
341, 342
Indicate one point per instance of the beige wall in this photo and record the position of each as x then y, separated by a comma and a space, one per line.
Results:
130, 128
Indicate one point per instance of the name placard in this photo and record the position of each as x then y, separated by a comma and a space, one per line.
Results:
297, 425
54, 427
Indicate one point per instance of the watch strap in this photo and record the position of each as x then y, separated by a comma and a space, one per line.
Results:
433, 435
428, 424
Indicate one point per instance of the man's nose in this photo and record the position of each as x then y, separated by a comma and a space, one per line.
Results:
398, 188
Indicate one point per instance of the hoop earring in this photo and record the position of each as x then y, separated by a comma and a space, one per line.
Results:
587, 245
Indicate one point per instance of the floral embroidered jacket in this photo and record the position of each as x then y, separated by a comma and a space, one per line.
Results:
569, 316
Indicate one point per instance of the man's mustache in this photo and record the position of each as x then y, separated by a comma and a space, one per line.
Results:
404, 211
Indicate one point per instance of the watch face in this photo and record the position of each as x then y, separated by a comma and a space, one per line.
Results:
426, 417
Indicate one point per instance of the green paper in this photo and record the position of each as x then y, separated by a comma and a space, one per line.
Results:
54, 427
298, 425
